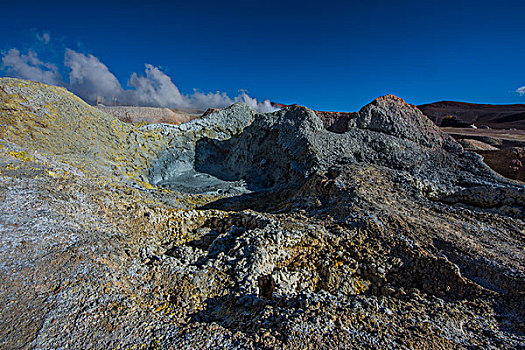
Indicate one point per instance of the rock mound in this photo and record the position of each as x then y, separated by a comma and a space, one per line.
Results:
248, 151
53, 121
393, 116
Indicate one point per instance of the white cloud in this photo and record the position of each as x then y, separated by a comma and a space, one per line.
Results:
154, 89
521, 90
90, 78
30, 67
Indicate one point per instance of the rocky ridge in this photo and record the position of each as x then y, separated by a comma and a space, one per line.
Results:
150, 115
244, 230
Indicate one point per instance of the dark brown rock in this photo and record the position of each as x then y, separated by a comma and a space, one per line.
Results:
509, 162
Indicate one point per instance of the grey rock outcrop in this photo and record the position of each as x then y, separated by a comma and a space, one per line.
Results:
237, 150
393, 116
175, 168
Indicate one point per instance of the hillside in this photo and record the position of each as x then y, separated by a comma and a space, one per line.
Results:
53, 121
502, 150
150, 115
493, 116
242, 230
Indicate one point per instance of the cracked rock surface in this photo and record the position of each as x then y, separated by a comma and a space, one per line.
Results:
243, 230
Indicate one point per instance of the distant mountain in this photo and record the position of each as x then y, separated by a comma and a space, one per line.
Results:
150, 115
493, 116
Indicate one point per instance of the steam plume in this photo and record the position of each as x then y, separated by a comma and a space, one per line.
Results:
90, 78
29, 67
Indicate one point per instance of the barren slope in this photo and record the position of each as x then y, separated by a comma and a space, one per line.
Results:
269, 231
150, 115
494, 116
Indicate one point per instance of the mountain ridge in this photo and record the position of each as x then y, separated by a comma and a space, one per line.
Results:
499, 116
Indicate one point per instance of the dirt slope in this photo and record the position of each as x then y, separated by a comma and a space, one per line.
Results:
494, 116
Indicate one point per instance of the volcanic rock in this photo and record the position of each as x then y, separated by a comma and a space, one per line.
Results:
476, 145
336, 121
244, 230
509, 162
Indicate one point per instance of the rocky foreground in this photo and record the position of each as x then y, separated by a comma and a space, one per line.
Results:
243, 230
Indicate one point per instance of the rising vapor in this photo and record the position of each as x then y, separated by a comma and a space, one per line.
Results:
155, 89
89, 78
29, 67
521, 90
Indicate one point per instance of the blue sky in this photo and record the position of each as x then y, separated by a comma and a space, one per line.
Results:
329, 55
